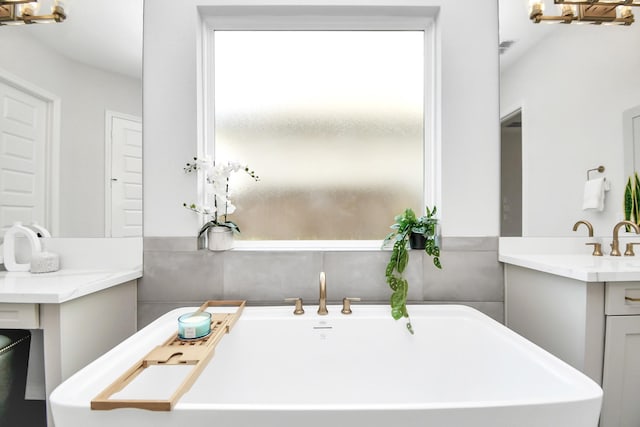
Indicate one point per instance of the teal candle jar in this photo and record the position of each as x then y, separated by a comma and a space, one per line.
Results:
194, 325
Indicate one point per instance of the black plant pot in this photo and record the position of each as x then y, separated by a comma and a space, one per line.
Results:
417, 240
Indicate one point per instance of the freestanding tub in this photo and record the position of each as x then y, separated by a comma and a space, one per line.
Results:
461, 368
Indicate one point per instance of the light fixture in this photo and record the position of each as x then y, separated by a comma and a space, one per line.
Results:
586, 11
17, 12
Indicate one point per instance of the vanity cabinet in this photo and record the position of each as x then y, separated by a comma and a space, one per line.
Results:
19, 316
583, 309
621, 372
621, 376
79, 315
592, 325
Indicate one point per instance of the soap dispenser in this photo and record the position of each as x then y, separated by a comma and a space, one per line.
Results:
9, 246
39, 230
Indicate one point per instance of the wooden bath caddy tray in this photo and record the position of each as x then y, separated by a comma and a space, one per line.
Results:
174, 351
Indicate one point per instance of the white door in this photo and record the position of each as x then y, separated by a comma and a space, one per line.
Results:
124, 202
23, 135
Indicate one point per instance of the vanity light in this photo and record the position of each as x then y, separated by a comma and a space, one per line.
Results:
586, 11
18, 12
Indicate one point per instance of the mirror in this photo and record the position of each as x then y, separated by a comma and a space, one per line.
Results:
71, 129
631, 129
573, 84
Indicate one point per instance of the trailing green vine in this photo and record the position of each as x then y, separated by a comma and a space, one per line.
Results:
405, 224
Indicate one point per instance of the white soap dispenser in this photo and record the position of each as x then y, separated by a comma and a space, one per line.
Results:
9, 246
43, 262
39, 230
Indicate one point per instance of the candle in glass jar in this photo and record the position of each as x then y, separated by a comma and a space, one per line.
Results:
194, 325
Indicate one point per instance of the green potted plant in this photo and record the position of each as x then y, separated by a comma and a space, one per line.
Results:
219, 229
405, 225
632, 200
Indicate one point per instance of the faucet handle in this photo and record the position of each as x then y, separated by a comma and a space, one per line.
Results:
629, 251
298, 310
597, 248
346, 304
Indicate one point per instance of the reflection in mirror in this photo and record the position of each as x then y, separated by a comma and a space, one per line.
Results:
573, 84
631, 128
70, 121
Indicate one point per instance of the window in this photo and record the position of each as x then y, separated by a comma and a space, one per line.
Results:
332, 121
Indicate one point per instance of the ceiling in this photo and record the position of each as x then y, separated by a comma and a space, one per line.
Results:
102, 33
108, 33
515, 26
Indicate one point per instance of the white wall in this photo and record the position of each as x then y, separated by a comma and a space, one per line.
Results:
85, 94
573, 87
468, 115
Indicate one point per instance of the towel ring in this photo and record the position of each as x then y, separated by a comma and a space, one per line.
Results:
599, 169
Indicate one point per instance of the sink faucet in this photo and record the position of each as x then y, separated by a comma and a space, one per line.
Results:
597, 246
322, 305
587, 223
615, 245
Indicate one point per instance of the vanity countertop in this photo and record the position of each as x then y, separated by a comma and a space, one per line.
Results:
60, 286
568, 257
580, 267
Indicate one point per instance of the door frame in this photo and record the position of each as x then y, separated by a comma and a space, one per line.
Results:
108, 142
515, 111
629, 144
52, 146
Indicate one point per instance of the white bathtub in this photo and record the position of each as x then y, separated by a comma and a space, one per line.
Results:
460, 369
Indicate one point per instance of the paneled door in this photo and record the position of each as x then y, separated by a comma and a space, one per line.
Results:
23, 136
124, 195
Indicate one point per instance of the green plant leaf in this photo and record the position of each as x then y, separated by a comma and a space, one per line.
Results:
436, 262
403, 257
635, 214
628, 202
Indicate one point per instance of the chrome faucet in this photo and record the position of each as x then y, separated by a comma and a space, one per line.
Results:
587, 223
615, 245
322, 305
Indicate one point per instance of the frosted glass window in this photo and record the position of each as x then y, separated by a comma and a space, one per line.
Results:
331, 121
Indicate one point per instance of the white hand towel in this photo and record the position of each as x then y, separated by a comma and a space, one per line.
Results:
594, 194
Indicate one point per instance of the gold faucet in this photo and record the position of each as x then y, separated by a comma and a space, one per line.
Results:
597, 247
585, 222
615, 245
346, 304
322, 305
299, 308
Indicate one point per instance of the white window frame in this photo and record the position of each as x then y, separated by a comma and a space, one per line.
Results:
391, 17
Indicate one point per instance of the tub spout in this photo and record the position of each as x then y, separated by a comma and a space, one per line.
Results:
322, 305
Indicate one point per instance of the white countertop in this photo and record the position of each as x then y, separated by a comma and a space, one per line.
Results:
580, 267
60, 286
568, 257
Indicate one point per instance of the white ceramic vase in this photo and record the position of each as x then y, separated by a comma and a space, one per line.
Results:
219, 238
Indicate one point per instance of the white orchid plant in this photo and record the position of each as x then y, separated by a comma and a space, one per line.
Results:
217, 191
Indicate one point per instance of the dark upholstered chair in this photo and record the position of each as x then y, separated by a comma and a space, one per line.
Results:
14, 356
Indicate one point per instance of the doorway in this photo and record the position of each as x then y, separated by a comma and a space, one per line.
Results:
123, 180
29, 126
511, 175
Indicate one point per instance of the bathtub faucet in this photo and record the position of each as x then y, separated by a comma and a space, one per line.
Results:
322, 305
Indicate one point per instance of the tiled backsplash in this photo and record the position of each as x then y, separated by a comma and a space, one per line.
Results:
176, 275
